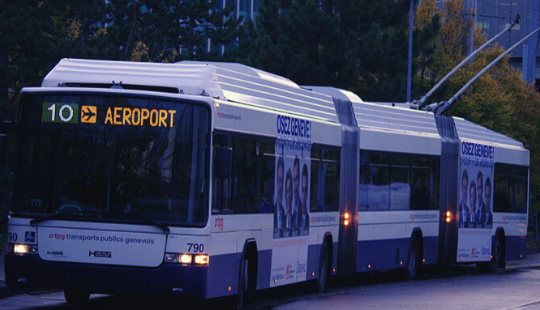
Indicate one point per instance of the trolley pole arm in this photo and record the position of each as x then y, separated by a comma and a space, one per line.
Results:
445, 105
418, 104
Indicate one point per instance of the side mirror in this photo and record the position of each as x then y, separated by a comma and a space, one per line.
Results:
3, 149
223, 162
6, 127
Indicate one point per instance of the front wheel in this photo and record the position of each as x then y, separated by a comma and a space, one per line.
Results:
242, 284
76, 297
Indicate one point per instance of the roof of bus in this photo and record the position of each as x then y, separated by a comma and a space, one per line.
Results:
243, 84
226, 81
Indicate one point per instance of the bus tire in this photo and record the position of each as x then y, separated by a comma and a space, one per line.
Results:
76, 297
247, 276
242, 284
497, 255
413, 259
324, 269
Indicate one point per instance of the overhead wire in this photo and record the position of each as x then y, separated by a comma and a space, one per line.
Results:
523, 5
507, 10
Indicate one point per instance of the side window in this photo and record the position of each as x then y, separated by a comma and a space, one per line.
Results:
510, 189
325, 177
394, 182
250, 186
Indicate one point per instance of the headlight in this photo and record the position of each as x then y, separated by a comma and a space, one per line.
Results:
186, 259
19, 248
201, 259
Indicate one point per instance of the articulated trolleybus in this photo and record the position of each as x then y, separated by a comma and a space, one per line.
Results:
217, 179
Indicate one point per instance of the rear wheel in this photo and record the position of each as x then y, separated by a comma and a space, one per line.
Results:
496, 256
324, 267
413, 259
76, 297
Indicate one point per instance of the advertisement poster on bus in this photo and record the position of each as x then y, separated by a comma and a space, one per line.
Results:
291, 201
476, 202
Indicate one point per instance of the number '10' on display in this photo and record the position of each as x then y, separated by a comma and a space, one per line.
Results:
57, 112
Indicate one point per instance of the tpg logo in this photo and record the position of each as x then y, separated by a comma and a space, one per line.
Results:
57, 236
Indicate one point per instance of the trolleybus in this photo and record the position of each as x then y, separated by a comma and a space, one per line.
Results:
217, 179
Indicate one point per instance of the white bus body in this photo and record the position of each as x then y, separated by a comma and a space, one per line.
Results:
189, 163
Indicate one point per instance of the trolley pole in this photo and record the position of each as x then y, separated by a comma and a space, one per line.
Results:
441, 107
419, 103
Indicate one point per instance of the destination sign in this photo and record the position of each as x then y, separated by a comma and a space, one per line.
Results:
68, 113
140, 117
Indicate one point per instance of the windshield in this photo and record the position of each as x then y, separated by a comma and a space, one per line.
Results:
100, 157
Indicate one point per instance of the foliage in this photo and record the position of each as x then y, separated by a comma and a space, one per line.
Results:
360, 45
500, 99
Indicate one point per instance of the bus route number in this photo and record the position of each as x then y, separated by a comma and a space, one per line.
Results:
195, 247
12, 237
54, 112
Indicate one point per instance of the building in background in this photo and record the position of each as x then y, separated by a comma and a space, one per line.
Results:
496, 15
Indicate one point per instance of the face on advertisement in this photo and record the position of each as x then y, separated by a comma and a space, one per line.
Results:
280, 182
464, 187
480, 188
304, 189
488, 195
288, 191
296, 169
472, 195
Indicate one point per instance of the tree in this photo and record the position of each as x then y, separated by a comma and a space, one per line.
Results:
170, 30
298, 40
34, 35
358, 45
500, 99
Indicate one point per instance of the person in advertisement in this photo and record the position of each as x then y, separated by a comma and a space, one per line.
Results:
481, 210
303, 218
279, 214
473, 220
487, 216
288, 222
296, 183
464, 212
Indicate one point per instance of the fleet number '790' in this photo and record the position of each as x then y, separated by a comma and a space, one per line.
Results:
195, 247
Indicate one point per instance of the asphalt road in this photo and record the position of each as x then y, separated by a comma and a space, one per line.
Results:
437, 288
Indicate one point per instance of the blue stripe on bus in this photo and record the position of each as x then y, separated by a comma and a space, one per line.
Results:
223, 270
516, 246
391, 253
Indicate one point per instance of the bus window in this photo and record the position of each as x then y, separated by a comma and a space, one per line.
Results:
129, 154
510, 189
325, 174
398, 182
250, 186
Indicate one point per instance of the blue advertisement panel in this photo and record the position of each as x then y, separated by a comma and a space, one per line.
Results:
475, 207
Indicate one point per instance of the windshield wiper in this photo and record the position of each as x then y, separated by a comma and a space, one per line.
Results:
60, 214
57, 215
165, 228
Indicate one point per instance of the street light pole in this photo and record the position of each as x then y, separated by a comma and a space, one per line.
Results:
409, 67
